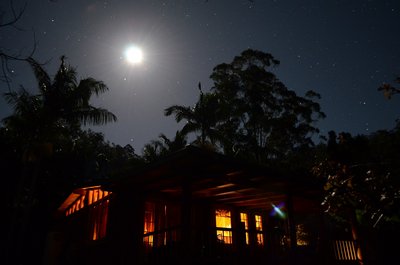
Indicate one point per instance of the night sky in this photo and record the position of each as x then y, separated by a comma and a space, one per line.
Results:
343, 50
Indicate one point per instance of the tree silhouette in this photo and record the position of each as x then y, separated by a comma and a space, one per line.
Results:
61, 106
202, 118
159, 148
249, 112
261, 116
42, 124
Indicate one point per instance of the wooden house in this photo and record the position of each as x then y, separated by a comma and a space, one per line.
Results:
197, 207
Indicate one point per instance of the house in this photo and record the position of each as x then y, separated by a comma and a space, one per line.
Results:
197, 207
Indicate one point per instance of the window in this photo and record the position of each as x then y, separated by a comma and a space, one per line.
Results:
224, 226
244, 219
148, 238
98, 219
87, 198
259, 230
161, 224
76, 206
96, 202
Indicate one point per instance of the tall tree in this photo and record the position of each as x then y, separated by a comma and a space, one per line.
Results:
249, 112
261, 116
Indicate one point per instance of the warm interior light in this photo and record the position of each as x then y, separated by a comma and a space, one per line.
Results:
223, 220
98, 216
259, 228
244, 219
149, 223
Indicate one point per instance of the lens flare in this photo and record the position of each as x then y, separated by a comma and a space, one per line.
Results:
278, 210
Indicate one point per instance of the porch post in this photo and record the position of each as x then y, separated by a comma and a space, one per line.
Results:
292, 225
126, 227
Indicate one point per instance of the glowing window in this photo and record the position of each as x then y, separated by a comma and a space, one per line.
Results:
244, 219
98, 216
259, 229
148, 238
95, 195
258, 222
223, 224
90, 197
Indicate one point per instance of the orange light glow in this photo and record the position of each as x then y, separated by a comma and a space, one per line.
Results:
89, 197
149, 223
259, 228
258, 222
223, 220
243, 219
98, 217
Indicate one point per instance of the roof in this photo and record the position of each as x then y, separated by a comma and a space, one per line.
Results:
215, 177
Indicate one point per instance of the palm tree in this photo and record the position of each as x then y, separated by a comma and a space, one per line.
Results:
62, 105
200, 118
39, 121
158, 148
176, 144
153, 150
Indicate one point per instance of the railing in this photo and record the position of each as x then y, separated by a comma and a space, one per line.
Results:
345, 250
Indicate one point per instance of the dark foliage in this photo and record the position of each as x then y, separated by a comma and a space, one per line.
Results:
250, 113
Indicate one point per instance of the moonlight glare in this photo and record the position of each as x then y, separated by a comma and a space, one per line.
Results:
133, 55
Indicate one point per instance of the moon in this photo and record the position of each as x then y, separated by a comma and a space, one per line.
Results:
134, 55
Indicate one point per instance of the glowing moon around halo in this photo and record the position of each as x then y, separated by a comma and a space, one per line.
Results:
133, 55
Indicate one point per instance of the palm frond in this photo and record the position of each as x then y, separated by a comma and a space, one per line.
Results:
85, 89
95, 116
65, 79
181, 112
93, 85
44, 80
191, 128
22, 101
